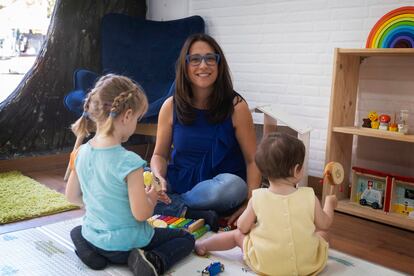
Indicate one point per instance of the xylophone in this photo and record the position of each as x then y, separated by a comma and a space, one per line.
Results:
196, 227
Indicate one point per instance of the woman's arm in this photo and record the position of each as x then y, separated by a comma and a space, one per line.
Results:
142, 202
163, 146
247, 220
246, 136
73, 191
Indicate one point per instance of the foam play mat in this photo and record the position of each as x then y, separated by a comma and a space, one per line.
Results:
48, 250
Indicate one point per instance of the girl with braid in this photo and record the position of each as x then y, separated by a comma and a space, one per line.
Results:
108, 181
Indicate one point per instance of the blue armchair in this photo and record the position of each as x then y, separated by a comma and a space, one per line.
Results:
143, 50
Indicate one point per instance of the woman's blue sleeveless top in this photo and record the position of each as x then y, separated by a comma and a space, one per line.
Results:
201, 151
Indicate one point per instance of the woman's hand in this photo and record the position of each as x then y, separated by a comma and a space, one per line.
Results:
162, 194
162, 148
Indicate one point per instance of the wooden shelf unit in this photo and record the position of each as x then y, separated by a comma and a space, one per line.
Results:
341, 129
369, 132
353, 208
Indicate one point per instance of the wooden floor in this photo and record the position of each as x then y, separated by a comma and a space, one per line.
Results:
385, 245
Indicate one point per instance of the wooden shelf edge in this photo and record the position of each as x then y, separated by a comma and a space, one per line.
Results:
367, 52
366, 212
369, 132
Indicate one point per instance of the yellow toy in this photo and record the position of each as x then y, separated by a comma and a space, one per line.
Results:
373, 116
150, 180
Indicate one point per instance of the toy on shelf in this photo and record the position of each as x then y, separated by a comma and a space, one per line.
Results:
373, 116
196, 227
368, 189
393, 126
366, 123
333, 175
403, 197
213, 269
403, 122
384, 121
151, 180
389, 192
371, 197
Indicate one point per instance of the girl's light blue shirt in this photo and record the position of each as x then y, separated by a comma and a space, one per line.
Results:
108, 222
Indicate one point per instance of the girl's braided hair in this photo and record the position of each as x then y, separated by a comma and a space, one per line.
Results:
111, 97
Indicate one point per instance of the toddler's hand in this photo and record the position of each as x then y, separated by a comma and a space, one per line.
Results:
152, 194
332, 201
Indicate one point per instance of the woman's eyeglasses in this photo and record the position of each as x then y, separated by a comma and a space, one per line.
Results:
209, 59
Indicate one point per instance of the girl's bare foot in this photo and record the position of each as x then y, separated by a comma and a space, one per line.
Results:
200, 248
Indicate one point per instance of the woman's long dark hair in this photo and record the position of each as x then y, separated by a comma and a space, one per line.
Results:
220, 102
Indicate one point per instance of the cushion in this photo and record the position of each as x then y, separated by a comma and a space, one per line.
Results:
145, 50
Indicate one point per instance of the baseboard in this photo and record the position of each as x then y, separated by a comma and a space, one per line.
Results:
35, 163
58, 161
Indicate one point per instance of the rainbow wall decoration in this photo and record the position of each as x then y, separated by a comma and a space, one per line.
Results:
393, 30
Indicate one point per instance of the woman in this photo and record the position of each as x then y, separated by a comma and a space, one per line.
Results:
209, 130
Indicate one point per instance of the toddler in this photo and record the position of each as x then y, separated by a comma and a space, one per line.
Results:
108, 180
283, 229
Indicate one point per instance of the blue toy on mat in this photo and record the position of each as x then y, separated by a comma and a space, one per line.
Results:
213, 269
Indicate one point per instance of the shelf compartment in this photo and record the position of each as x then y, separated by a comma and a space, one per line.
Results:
376, 133
367, 212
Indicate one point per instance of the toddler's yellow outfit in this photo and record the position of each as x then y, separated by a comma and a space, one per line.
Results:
284, 242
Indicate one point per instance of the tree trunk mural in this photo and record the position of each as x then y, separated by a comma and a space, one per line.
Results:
33, 118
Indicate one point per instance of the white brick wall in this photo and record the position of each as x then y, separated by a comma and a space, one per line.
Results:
281, 52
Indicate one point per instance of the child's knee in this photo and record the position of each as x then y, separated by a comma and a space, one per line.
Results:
76, 232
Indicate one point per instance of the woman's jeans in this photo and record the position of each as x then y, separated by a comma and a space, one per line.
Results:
222, 193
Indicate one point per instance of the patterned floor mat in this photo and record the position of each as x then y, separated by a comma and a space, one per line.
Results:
48, 250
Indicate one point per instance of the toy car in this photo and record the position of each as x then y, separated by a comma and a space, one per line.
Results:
372, 198
213, 269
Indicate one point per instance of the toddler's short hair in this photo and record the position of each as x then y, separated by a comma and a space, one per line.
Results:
278, 154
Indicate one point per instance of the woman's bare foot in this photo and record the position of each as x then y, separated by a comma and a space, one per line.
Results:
200, 249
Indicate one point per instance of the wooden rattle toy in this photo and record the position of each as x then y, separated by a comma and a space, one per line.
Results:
333, 175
